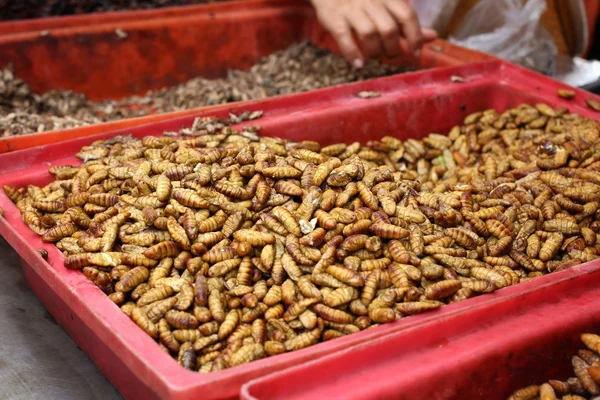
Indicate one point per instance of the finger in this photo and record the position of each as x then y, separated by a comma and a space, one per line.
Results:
408, 20
428, 34
340, 30
387, 27
366, 31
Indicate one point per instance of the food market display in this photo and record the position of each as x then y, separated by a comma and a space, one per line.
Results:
227, 246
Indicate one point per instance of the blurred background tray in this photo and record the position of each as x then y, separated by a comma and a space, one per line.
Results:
164, 48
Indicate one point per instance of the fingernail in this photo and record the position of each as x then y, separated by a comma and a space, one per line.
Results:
417, 53
358, 63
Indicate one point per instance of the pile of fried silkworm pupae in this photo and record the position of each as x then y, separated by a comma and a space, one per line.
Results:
584, 385
227, 247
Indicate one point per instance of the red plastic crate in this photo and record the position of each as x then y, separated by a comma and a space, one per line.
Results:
523, 335
436, 55
165, 47
411, 105
68, 21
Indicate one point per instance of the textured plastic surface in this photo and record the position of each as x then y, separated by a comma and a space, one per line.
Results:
521, 336
411, 105
167, 49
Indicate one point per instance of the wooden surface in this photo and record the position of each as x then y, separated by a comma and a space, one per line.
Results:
38, 360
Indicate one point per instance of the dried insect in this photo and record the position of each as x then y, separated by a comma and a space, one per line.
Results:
157, 310
303, 340
368, 95
562, 226
181, 319
442, 289
342, 295
162, 250
298, 307
332, 314
382, 315
526, 393
287, 220
593, 104
215, 304
389, 231
131, 279
141, 320
418, 307
59, 232
551, 246
155, 294
345, 275
566, 94
231, 321
247, 353
254, 238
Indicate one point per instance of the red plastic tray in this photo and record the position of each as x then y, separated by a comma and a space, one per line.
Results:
167, 48
411, 105
68, 21
157, 52
523, 335
438, 54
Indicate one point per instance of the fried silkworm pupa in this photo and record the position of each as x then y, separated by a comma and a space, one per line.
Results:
526, 393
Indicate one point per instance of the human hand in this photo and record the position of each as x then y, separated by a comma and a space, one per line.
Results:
380, 25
